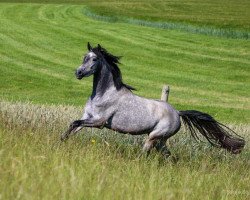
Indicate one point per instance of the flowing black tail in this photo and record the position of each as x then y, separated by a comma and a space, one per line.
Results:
216, 133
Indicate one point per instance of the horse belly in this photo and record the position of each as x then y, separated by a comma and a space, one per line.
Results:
132, 123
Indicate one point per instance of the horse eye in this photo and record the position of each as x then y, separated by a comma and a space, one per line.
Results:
85, 59
94, 59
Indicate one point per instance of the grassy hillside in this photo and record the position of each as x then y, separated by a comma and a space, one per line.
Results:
227, 14
222, 14
42, 44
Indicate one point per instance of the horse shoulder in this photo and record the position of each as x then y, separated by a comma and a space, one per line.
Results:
102, 107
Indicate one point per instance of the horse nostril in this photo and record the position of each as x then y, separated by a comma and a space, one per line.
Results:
78, 72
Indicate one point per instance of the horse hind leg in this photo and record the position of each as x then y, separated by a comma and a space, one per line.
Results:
148, 145
160, 138
152, 140
159, 144
162, 148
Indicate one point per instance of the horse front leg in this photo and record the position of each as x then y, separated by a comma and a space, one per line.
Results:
74, 127
77, 125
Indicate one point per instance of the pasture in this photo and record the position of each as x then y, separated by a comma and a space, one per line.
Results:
41, 44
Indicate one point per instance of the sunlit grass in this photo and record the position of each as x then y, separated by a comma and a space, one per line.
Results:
224, 14
205, 30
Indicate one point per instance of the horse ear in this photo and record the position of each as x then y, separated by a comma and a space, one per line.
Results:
99, 47
89, 47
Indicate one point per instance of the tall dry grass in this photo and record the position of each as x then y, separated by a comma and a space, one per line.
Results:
101, 164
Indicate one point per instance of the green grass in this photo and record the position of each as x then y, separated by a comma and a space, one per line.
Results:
219, 18
224, 14
35, 166
42, 44
227, 14
105, 165
205, 30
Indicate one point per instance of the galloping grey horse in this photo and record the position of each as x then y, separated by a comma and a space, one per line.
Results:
113, 105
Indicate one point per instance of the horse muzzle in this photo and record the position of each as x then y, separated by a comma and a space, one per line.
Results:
82, 73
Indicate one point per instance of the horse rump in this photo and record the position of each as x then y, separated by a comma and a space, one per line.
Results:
216, 133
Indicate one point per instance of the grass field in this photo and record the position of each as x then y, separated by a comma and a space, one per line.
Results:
40, 47
226, 14
104, 165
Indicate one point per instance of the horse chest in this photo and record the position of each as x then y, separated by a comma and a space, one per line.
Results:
97, 110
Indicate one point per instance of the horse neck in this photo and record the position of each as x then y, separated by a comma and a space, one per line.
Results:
103, 81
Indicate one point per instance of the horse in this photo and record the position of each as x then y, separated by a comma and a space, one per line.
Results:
113, 105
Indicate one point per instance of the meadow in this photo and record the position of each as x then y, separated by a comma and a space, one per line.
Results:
41, 44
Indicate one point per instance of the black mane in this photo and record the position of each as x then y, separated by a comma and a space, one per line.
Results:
112, 62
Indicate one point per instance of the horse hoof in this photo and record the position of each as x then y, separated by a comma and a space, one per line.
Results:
174, 159
64, 137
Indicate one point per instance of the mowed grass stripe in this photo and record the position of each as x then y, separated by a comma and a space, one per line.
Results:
31, 68
224, 14
179, 46
160, 46
228, 15
204, 30
215, 53
205, 55
54, 38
